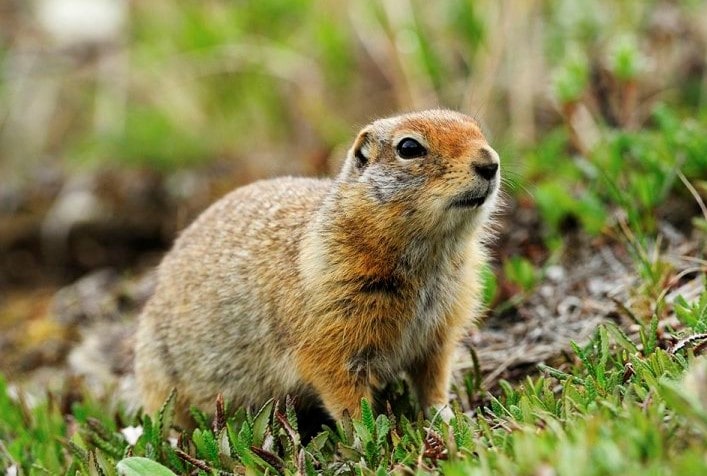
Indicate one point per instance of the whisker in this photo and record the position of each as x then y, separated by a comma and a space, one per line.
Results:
516, 185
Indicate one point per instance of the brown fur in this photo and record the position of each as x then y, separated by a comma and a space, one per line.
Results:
327, 288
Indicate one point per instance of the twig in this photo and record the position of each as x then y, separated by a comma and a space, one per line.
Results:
694, 193
201, 464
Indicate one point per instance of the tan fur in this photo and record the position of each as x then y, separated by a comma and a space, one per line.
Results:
327, 288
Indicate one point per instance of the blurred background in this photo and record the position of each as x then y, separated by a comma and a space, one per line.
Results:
121, 120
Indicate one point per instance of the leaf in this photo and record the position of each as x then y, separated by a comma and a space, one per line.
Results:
367, 416
570, 78
219, 422
166, 415
621, 338
106, 464
290, 411
269, 459
199, 417
260, 423
93, 468
240, 446
138, 466
649, 338
146, 444
372, 454
600, 369
362, 432
345, 429
318, 441
558, 374
463, 436
382, 430
409, 430
309, 468
521, 272
206, 444
401, 453
683, 402
511, 395
97, 434
79, 453
289, 430
583, 356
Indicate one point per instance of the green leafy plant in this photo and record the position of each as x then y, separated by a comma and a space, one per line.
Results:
521, 272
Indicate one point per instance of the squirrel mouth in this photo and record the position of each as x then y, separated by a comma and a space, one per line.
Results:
468, 200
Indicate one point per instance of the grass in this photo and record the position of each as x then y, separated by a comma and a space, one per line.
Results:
620, 162
621, 407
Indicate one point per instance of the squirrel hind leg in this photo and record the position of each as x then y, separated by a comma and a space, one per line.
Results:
342, 392
341, 399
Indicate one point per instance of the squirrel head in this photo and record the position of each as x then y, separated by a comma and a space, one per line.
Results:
432, 166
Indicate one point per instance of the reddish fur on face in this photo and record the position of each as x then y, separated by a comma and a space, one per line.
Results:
451, 138
305, 286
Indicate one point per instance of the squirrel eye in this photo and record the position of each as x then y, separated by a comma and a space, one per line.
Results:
409, 148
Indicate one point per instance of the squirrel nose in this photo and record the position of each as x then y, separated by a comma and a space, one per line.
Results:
487, 171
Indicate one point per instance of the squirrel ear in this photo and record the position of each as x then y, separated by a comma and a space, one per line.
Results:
362, 149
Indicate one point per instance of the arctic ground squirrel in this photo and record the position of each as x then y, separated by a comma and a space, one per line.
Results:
328, 289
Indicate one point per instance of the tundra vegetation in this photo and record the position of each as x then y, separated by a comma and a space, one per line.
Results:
591, 359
